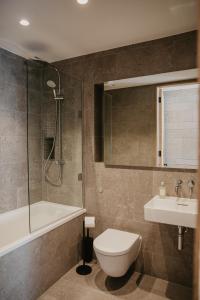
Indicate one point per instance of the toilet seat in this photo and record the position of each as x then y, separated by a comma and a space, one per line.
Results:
114, 242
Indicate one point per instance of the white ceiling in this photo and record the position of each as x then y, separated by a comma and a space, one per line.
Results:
62, 29
151, 79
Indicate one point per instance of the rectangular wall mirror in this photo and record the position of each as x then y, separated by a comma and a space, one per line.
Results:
152, 121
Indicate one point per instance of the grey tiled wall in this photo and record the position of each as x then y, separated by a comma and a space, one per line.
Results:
13, 131
13, 161
34, 106
116, 196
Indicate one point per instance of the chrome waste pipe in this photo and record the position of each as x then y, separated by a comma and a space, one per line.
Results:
181, 231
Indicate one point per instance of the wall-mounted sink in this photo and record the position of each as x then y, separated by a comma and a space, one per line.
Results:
173, 211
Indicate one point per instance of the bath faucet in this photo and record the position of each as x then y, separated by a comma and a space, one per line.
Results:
178, 187
191, 184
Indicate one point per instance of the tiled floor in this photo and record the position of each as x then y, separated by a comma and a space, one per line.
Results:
97, 286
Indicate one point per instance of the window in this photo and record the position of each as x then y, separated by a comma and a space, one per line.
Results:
178, 125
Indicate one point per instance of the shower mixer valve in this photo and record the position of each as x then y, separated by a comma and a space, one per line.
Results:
60, 162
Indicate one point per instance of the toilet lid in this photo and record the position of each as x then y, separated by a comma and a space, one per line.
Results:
115, 242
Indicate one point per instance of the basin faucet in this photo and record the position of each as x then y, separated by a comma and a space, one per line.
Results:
191, 184
178, 187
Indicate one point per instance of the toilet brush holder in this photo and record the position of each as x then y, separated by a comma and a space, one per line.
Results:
87, 245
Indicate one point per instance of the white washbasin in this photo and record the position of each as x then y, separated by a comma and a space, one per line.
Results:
173, 211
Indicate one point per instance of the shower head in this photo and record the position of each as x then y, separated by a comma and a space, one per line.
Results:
52, 85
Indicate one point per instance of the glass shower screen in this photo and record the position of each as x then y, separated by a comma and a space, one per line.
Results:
54, 144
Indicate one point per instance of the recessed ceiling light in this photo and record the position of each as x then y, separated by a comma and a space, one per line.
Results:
82, 1
24, 22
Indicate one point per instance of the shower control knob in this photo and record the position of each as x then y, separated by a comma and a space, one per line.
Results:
60, 162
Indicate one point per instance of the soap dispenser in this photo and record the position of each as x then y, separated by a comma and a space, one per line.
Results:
162, 189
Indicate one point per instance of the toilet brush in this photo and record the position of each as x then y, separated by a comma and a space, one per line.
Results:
84, 269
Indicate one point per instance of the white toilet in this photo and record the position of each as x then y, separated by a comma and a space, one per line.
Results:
116, 250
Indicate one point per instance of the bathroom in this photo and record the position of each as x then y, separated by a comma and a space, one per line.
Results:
84, 138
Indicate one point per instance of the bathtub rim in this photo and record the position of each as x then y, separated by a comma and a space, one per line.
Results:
39, 232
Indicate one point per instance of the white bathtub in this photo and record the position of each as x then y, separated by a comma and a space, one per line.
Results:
45, 216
